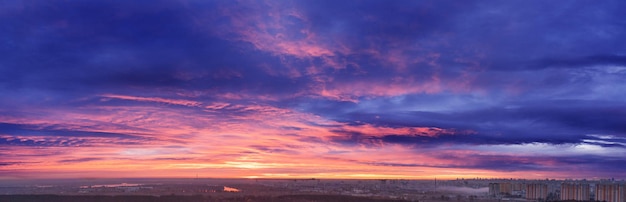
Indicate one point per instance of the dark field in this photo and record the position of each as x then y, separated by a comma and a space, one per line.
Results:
196, 198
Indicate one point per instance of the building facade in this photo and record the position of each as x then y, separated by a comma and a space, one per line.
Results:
501, 189
575, 191
494, 189
610, 192
536, 191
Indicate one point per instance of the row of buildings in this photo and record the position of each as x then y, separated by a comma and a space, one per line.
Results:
565, 191
610, 192
534, 191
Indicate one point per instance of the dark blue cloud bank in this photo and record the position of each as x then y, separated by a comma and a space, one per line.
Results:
503, 76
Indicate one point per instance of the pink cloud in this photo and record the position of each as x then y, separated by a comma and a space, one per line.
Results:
351, 91
281, 30
238, 140
154, 99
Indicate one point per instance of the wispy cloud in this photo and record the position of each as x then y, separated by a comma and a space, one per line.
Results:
189, 103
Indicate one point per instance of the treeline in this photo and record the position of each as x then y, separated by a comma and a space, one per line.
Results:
180, 198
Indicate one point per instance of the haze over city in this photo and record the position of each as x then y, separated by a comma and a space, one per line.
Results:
313, 89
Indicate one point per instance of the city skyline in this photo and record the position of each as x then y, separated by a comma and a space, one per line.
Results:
313, 89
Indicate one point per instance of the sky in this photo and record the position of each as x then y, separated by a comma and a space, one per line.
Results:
313, 89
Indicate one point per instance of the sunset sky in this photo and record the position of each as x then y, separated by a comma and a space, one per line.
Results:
312, 88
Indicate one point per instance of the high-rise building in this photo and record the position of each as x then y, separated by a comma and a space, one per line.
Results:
610, 192
536, 191
494, 189
501, 189
575, 191
517, 187
506, 188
